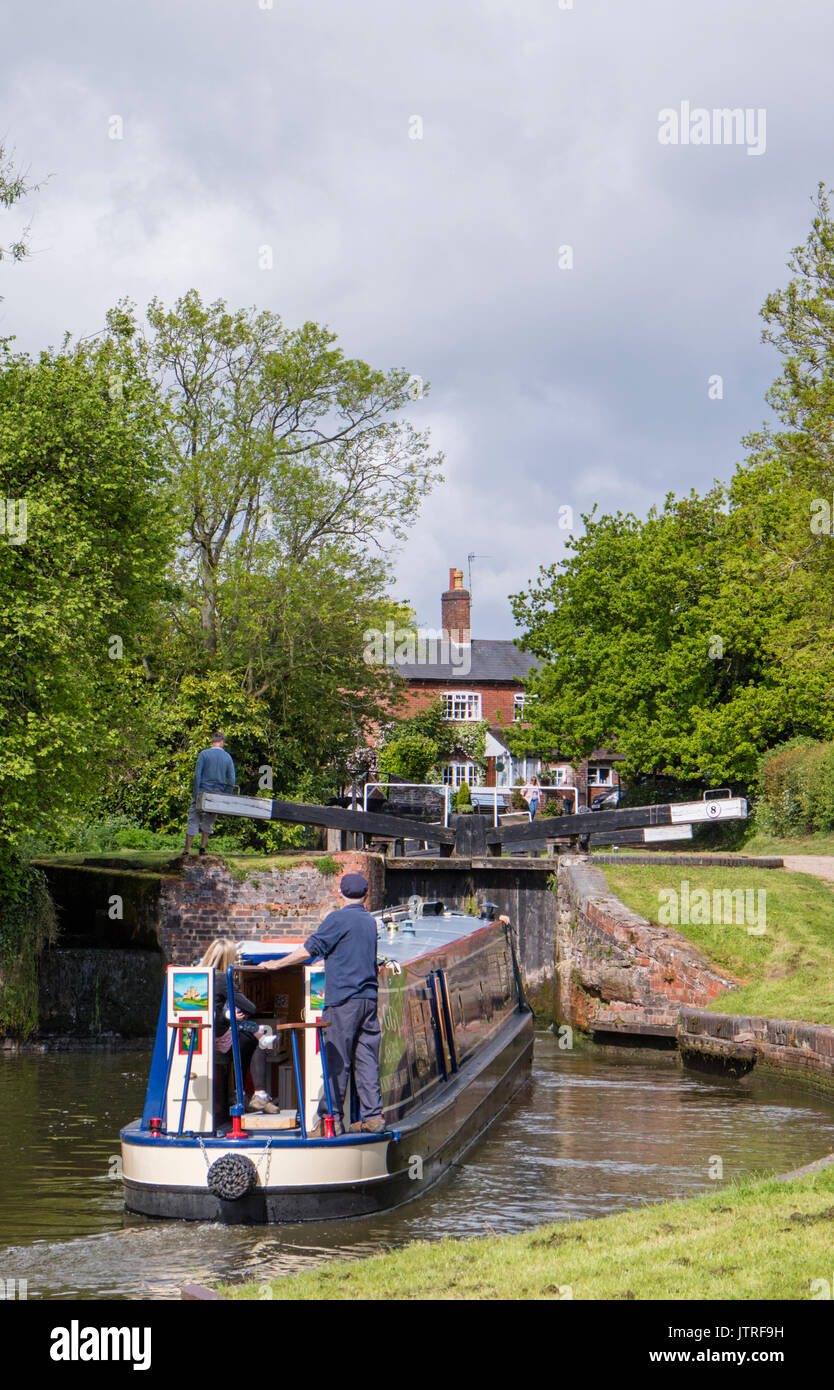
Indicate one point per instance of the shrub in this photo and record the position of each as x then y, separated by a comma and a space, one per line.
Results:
410, 755
796, 785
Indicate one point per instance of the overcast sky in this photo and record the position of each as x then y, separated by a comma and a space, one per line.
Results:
291, 124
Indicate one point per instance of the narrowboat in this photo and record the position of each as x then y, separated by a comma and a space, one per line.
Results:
457, 1040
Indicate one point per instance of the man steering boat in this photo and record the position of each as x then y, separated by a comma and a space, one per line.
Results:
347, 942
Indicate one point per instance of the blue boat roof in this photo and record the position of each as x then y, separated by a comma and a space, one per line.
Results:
401, 938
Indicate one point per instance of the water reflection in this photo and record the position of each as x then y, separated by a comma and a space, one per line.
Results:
593, 1131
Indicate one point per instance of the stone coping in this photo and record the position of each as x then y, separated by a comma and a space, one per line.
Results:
694, 861
802, 1052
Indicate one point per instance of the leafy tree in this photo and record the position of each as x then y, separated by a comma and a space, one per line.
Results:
287, 453
87, 536
84, 539
293, 476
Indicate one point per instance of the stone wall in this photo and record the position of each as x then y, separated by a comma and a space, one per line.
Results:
107, 905
104, 974
615, 969
735, 1043
95, 993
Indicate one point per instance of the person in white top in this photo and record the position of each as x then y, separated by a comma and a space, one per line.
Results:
532, 795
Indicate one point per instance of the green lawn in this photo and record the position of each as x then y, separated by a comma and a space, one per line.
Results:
789, 971
802, 844
752, 1240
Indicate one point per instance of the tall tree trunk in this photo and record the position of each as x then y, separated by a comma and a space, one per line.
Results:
208, 605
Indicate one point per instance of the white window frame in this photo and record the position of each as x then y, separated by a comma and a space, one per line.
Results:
462, 706
600, 776
454, 773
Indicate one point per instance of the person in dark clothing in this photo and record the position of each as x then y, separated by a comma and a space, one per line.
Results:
214, 772
346, 940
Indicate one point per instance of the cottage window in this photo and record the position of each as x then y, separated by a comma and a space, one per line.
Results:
461, 706
599, 776
456, 773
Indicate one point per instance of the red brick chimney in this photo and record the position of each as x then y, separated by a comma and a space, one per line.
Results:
455, 609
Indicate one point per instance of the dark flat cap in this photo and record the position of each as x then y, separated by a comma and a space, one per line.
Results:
353, 886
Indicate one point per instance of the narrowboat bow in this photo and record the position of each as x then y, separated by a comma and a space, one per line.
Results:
457, 1040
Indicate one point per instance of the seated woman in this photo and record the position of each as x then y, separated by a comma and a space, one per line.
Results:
219, 956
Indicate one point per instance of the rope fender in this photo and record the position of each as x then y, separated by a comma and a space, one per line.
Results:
231, 1177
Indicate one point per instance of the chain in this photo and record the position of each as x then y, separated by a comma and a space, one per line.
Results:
268, 1156
265, 1155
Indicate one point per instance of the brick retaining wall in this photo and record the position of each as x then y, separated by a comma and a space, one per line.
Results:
205, 901
615, 968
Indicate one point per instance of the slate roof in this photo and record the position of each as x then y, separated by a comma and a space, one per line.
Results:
489, 661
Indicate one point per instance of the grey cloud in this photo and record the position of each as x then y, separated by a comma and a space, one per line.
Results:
289, 127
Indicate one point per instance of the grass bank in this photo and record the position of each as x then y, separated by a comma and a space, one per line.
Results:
788, 972
758, 843
241, 864
752, 1240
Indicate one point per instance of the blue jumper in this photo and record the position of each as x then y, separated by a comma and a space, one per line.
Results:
215, 772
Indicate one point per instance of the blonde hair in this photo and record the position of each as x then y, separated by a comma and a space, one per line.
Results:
220, 954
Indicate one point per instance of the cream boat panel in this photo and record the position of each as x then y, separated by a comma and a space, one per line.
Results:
163, 1165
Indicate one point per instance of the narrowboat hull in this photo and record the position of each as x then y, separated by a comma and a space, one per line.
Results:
456, 1042
355, 1175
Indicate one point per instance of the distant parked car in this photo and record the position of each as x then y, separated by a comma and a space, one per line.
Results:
607, 802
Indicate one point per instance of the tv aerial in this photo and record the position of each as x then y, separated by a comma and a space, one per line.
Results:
470, 557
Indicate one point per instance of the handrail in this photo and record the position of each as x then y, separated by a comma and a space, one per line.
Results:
191, 1041
449, 1023
237, 1109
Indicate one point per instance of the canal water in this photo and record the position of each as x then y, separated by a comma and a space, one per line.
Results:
593, 1131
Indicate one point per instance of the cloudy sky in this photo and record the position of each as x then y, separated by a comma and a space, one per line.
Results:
292, 124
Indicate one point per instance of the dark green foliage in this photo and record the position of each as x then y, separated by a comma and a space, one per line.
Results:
797, 790
423, 740
410, 754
